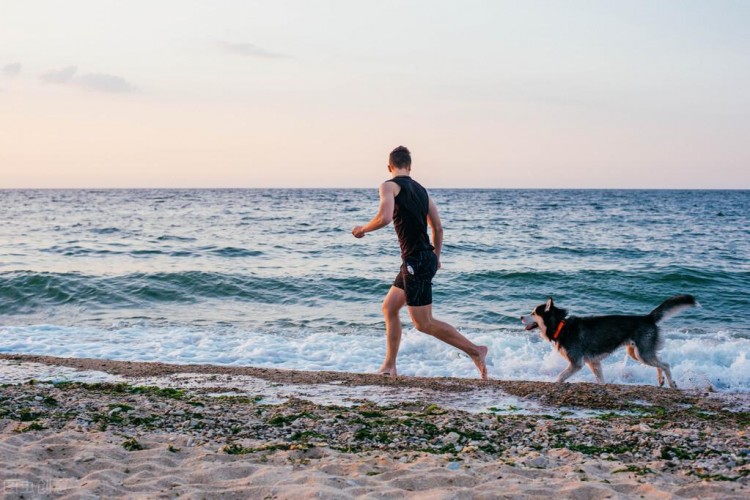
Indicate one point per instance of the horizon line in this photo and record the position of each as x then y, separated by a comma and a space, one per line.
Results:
224, 188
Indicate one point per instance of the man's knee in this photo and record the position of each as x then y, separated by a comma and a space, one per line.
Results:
390, 308
421, 317
424, 325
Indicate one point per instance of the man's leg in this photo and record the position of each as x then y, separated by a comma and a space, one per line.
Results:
392, 304
424, 322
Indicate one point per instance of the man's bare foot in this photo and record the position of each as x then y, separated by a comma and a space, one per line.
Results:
480, 361
388, 371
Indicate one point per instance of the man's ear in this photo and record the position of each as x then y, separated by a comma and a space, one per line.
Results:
549, 305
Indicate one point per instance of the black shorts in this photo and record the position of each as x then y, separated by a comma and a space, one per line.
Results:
416, 276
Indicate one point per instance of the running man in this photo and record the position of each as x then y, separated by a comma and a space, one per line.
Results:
405, 202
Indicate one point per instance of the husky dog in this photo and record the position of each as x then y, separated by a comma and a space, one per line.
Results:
589, 340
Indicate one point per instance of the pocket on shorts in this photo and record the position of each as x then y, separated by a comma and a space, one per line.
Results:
422, 265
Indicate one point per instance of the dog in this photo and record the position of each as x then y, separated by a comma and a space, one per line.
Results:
591, 339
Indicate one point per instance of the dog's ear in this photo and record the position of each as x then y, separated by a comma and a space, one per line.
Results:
549, 305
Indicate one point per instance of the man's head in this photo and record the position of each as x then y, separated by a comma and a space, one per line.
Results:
400, 159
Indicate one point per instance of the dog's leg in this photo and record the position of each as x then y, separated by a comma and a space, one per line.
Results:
630, 348
660, 376
570, 370
596, 367
668, 373
660, 366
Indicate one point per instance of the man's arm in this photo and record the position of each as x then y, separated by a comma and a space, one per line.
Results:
388, 191
433, 219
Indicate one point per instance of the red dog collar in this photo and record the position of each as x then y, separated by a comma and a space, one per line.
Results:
559, 329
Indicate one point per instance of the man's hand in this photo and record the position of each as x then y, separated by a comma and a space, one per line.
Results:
358, 232
438, 259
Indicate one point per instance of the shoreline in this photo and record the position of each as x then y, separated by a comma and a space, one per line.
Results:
607, 396
124, 438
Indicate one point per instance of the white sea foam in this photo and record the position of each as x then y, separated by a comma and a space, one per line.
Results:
698, 361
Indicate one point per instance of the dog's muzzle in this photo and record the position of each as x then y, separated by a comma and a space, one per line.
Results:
528, 322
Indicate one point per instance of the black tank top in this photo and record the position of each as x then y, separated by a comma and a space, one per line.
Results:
410, 216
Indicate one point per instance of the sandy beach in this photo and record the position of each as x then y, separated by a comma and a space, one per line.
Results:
299, 249
160, 430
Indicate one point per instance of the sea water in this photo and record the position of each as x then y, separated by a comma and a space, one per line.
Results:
274, 278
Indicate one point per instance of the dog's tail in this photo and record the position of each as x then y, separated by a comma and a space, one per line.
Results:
672, 306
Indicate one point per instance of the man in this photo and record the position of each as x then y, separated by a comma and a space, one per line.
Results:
405, 202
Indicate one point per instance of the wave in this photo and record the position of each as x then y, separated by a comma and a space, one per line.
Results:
82, 251
106, 230
232, 252
478, 298
597, 292
169, 237
25, 292
644, 276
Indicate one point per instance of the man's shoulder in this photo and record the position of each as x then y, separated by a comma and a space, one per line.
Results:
390, 186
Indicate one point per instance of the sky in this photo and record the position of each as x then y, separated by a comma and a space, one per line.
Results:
313, 93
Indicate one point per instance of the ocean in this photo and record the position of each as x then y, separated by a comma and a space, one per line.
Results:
273, 277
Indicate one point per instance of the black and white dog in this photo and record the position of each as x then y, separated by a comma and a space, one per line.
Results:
589, 340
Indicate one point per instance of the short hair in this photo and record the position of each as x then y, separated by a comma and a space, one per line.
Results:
400, 157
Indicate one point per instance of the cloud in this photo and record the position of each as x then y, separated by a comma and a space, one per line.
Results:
64, 75
10, 70
250, 50
102, 82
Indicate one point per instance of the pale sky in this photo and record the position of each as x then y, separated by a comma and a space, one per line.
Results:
500, 94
